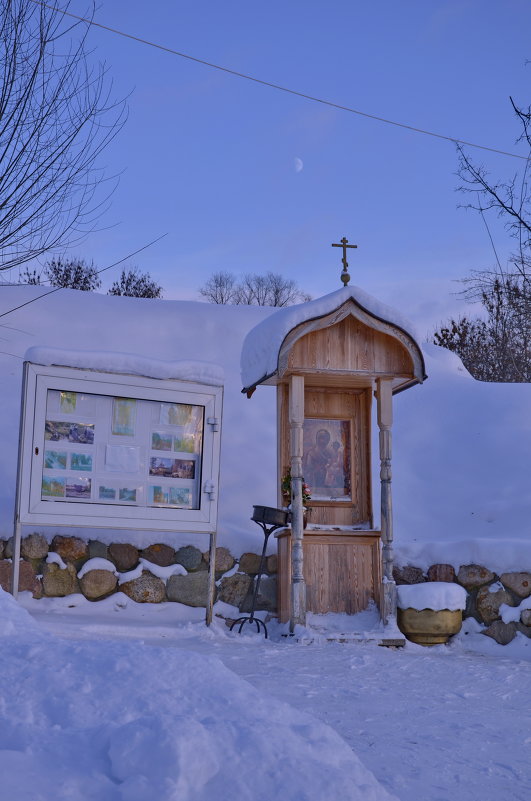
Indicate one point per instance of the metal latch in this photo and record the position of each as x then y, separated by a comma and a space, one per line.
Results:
214, 422
209, 488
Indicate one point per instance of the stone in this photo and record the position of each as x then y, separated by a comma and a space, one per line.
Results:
8, 548
70, 549
2, 546
525, 617
159, 554
471, 609
488, 603
224, 560
519, 583
272, 563
408, 574
34, 546
472, 576
233, 589
27, 581
58, 582
98, 584
97, 550
249, 563
525, 630
441, 572
189, 557
146, 589
191, 590
502, 632
266, 598
124, 556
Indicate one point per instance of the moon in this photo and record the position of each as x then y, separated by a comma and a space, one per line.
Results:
298, 164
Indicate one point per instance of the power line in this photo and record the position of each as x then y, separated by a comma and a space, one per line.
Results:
51, 292
277, 86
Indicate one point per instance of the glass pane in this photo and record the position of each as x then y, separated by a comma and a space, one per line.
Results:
122, 451
326, 459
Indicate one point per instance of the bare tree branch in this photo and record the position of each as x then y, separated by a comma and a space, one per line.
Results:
56, 117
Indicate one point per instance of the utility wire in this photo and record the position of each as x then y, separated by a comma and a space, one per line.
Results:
114, 264
278, 86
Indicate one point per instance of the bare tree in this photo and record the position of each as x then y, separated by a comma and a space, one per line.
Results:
56, 117
509, 198
220, 288
497, 346
271, 289
135, 284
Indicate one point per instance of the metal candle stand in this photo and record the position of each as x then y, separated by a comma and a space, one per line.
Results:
269, 519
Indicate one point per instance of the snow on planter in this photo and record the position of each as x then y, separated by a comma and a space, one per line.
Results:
434, 595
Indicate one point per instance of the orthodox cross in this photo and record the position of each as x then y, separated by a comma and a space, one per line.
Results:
345, 277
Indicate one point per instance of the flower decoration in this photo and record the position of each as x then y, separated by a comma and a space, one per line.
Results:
285, 487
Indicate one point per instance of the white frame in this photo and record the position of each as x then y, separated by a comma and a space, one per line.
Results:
33, 510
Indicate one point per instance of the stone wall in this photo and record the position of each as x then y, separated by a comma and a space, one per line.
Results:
56, 569
486, 592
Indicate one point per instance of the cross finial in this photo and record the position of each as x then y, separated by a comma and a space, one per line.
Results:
345, 277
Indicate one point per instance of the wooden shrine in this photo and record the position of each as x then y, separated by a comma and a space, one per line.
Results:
329, 367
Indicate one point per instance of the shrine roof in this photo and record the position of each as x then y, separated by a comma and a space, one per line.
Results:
262, 345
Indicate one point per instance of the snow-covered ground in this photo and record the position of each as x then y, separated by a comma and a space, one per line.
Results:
134, 702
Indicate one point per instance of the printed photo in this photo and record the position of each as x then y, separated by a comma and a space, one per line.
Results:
180, 496
53, 487
55, 460
159, 495
170, 496
161, 441
78, 488
67, 402
160, 467
172, 468
55, 431
107, 494
80, 461
127, 494
175, 414
183, 468
184, 444
123, 417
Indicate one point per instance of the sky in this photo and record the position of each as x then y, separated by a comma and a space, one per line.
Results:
246, 178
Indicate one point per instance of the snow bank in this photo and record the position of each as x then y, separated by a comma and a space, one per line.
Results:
461, 448
129, 722
262, 344
434, 595
128, 363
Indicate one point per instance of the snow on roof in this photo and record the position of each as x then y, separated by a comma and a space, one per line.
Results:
262, 344
128, 363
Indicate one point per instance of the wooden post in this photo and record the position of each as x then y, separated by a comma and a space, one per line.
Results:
296, 421
384, 397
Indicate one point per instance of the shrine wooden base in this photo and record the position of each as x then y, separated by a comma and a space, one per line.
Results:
342, 571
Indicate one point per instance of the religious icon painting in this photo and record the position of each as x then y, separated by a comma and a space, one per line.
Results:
326, 458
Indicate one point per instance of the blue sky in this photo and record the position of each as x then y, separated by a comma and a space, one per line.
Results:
210, 159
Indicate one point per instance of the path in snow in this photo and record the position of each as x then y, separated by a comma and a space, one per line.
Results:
439, 724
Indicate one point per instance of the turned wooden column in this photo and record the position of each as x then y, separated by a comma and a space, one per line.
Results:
296, 421
384, 398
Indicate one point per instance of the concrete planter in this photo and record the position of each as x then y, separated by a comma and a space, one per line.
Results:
429, 626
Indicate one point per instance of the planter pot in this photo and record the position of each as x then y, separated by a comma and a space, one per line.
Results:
429, 627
